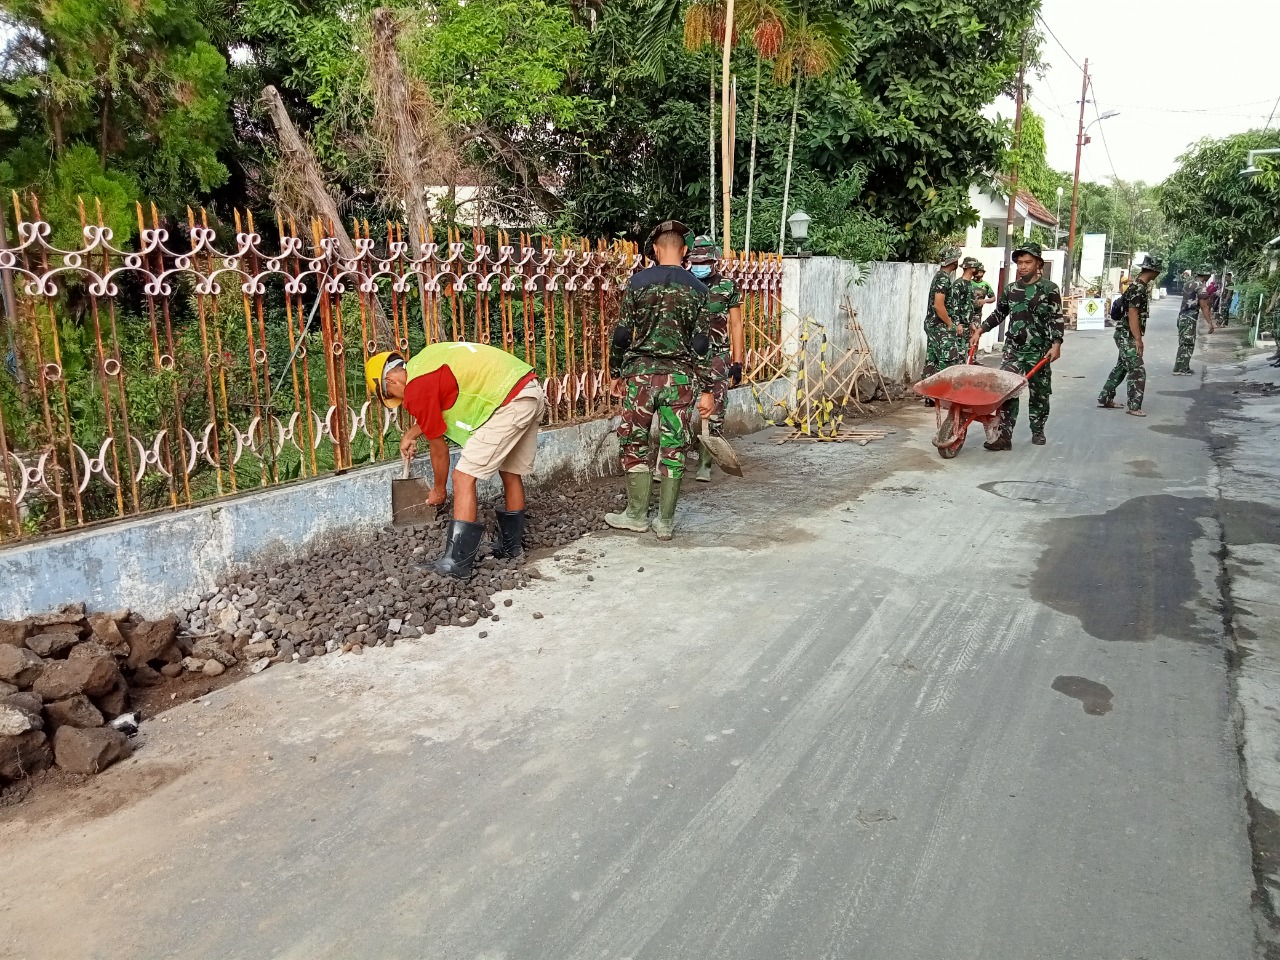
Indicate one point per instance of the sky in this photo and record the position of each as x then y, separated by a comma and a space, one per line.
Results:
1176, 70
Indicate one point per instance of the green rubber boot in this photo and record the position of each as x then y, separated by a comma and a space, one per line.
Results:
636, 516
704, 464
668, 493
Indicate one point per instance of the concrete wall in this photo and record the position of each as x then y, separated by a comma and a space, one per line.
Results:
890, 300
157, 563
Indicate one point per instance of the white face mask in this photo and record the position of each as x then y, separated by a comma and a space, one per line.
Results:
701, 270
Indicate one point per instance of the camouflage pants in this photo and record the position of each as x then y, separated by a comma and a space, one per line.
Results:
1039, 389
1128, 365
1186, 343
671, 397
943, 349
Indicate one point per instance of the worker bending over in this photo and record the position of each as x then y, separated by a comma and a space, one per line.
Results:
489, 403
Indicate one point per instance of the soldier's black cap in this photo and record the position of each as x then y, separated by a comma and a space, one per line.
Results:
667, 226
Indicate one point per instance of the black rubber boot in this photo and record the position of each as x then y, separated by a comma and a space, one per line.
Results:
510, 542
460, 549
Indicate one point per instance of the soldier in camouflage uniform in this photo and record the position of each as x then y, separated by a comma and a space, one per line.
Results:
724, 310
939, 327
960, 308
1033, 307
1195, 304
1271, 309
982, 294
657, 361
1128, 336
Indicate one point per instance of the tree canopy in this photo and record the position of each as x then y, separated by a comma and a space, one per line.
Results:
1217, 212
549, 102
114, 99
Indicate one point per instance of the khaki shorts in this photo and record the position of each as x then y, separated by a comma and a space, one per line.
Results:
508, 440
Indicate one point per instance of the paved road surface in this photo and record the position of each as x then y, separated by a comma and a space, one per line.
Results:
869, 705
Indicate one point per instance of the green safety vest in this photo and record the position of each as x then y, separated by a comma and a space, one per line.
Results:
485, 375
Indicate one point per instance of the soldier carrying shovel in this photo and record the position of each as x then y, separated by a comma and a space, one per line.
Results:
657, 361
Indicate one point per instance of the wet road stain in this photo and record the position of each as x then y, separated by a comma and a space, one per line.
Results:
1032, 491
1093, 696
1208, 404
1144, 468
1126, 574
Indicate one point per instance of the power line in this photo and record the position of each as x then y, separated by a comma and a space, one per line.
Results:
1141, 107
1214, 109
1101, 130
1273, 114
1059, 43
1050, 107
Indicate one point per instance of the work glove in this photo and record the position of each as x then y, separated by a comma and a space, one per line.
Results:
735, 374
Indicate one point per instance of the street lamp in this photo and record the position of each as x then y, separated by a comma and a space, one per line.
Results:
1057, 227
799, 224
1252, 170
1081, 139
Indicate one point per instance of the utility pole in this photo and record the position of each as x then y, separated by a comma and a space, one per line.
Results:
1069, 273
1013, 180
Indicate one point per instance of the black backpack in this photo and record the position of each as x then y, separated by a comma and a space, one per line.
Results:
1119, 309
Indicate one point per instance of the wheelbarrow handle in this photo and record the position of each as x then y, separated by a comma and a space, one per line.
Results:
1036, 369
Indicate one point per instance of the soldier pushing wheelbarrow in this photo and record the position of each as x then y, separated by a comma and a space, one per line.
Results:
964, 394
1033, 307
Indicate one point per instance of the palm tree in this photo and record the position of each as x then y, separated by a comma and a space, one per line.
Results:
767, 39
811, 47
723, 21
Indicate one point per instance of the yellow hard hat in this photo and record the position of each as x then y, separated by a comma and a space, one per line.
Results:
375, 369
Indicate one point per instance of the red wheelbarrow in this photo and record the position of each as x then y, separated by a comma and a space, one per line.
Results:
966, 393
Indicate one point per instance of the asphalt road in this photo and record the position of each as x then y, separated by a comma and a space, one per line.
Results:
867, 705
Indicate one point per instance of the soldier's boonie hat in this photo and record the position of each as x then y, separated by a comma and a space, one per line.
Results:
1032, 248
949, 255
1204, 271
703, 250
970, 263
667, 226
1150, 263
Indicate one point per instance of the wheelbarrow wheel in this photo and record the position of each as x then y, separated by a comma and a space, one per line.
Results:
950, 437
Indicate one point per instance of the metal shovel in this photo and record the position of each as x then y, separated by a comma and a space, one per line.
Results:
720, 451
409, 495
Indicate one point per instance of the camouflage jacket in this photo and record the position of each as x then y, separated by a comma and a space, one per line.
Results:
1192, 293
960, 305
942, 282
981, 290
1137, 294
724, 296
1034, 312
663, 309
